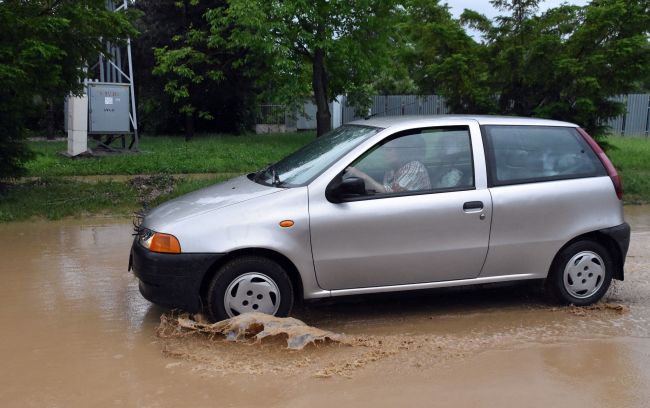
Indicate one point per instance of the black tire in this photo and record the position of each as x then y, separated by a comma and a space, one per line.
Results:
555, 284
238, 267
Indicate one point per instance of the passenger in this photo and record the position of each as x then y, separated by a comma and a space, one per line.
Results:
449, 155
451, 178
404, 169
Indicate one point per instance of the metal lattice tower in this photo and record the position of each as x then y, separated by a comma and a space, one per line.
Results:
113, 69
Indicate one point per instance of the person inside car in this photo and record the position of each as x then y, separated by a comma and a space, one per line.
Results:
404, 168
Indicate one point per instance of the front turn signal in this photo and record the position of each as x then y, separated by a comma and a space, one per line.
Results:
165, 243
286, 223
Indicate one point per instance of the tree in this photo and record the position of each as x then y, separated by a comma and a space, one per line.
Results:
568, 62
158, 24
443, 59
343, 43
44, 46
208, 83
187, 66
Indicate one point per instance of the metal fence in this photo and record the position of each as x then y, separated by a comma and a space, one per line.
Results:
272, 115
398, 105
635, 122
274, 119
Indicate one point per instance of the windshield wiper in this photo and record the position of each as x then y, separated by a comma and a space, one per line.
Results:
275, 179
259, 173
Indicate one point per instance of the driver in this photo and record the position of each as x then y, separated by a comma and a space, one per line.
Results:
404, 169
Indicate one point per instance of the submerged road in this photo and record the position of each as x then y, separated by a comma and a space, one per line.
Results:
77, 333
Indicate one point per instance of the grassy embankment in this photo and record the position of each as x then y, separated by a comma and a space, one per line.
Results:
631, 156
53, 195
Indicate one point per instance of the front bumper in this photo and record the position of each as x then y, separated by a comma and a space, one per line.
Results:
171, 280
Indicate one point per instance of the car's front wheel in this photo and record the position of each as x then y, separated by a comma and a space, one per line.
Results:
581, 273
250, 284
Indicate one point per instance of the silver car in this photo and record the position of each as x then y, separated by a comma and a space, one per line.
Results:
394, 204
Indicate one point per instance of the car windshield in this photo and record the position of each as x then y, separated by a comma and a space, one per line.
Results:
302, 166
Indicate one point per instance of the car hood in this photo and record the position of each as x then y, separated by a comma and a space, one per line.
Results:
211, 198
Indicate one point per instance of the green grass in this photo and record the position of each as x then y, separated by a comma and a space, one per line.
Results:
631, 156
52, 196
172, 155
55, 198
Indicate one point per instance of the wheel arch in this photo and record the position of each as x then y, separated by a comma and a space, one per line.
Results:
287, 265
606, 241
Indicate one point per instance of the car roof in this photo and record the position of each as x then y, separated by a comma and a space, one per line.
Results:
388, 121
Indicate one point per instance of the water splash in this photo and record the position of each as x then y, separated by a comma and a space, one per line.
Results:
249, 326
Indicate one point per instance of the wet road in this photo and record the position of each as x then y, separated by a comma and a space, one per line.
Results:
76, 333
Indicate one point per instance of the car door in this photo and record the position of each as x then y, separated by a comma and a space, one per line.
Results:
417, 230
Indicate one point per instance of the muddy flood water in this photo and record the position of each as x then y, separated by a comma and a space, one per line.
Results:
75, 332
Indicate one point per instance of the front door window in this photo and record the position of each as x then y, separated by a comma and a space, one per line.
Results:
426, 160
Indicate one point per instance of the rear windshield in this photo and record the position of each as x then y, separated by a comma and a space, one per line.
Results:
525, 154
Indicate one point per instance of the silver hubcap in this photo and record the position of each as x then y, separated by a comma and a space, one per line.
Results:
584, 274
252, 292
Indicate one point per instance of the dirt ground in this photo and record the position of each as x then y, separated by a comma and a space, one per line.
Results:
76, 333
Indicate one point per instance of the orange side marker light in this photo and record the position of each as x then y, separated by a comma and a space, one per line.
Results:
286, 223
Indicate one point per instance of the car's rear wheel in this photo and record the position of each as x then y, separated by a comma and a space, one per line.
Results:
581, 273
250, 284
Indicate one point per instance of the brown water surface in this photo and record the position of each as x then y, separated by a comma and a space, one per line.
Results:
76, 333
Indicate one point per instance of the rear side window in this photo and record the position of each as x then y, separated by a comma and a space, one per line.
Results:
526, 154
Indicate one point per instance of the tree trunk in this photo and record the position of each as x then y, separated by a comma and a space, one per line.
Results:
319, 85
189, 126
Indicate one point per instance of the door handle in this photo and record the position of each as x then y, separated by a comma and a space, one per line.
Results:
473, 205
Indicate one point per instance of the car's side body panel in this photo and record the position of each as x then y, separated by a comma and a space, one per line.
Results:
399, 240
531, 222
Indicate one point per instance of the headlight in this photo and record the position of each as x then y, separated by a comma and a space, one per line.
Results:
159, 242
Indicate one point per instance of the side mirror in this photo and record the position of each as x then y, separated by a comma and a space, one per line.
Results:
340, 189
